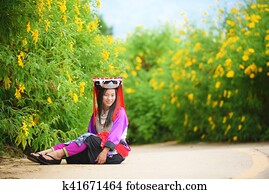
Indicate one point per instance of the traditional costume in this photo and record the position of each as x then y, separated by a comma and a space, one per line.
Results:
86, 148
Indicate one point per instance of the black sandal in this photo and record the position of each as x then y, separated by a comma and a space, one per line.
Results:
33, 158
43, 160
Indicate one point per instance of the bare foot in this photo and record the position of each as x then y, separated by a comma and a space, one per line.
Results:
44, 152
57, 155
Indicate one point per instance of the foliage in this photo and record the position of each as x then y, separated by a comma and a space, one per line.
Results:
49, 53
206, 85
181, 83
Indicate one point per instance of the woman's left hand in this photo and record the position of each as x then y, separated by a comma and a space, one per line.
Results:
101, 158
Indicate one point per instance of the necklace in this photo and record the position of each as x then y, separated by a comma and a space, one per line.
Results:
103, 117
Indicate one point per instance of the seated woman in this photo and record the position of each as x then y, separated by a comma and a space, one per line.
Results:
104, 143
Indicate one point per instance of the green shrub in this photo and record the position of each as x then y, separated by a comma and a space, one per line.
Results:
49, 53
209, 85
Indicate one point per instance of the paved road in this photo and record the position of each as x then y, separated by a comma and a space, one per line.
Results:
161, 161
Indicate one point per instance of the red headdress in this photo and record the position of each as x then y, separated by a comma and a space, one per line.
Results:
108, 83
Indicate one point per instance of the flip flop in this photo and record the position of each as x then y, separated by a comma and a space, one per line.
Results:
43, 160
33, 158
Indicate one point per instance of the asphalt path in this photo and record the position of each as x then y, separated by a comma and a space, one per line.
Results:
159, 161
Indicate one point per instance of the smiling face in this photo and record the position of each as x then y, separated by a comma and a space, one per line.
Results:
109, 98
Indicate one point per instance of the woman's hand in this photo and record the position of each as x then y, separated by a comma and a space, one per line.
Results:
101, 158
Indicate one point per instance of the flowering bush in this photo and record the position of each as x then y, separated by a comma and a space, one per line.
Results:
49, 53
205, 85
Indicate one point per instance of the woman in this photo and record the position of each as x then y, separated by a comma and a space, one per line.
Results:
104, 143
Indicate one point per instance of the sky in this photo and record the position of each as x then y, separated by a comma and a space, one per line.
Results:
125, 15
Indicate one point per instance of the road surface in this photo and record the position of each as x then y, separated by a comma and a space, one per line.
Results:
158, 161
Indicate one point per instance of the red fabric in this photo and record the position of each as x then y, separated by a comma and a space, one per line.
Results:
121, 149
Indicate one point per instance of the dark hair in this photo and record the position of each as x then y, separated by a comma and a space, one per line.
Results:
100, 106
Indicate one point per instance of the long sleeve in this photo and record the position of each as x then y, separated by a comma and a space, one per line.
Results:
91, 127
118, 129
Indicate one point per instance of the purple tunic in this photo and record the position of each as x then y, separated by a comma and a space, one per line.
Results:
118, 131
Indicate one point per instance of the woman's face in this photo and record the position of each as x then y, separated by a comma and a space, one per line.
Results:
109, 98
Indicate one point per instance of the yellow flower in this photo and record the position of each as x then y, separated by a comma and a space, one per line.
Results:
49, 2
210, 60
230, 74
105, 54
239, 127
47, 25
229, 93
161, 84
195, 128
138, 67
17, 94
75, 97
129, 90
173, 99
220, 10
49, 100
21, 88
35, 36
235, 138
125, 75
217, 84
231, 23
227, 129
176, 40
251, 25
20, 59
251, 50
24, 42
32, 122
224, 119
109, 39
71, 46
221, 103
25, 128
62, 6
93, 25
98, 4
190, 97
197, 46
252, 75
28, 28
81, 88
79, 23
69, 77
134, 73
245, 57
116, 52
234, 11
138, 59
